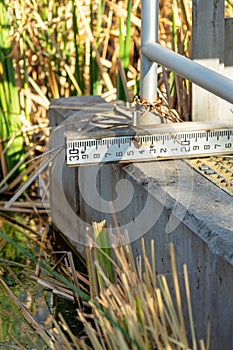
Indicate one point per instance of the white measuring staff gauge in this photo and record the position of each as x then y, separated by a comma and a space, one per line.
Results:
127, 144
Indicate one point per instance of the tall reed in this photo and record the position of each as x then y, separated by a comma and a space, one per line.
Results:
229, 8
124, 51
10, 124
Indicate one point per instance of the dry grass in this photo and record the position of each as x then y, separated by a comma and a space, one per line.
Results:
76, 48
137, 310
55, 46
134, 308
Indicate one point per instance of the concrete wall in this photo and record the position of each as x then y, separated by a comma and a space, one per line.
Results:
203, 240
166, 201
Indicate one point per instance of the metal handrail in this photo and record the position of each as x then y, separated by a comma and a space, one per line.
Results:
193, 71
153, 52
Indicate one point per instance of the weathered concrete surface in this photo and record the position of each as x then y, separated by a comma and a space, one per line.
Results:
166, 201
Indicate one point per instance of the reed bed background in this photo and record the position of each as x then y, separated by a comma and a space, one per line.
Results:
74, 47
51, 50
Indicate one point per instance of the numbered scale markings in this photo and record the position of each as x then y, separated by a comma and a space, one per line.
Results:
142, 145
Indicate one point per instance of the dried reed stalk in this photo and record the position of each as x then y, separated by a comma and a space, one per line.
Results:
147, 313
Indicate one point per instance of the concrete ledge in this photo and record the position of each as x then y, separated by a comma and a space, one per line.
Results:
166, 201
192, 199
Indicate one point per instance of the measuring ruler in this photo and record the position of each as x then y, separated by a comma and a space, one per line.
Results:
127, 144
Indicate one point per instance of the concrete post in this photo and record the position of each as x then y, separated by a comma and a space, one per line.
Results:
208, 37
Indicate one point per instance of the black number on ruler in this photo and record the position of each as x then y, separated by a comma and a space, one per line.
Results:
73, 158
228, 145
73, 150
119, 154
186, 146
130, 153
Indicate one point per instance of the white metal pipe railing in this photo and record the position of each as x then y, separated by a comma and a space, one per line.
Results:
149, 33
185, 67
